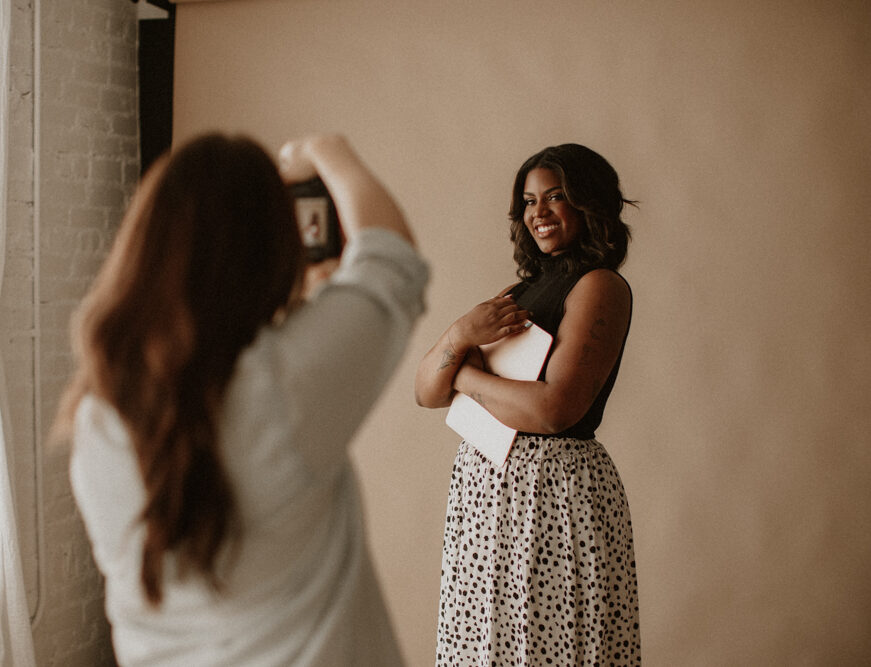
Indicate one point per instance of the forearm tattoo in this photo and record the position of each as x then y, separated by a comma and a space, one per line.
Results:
479, 399
449, 358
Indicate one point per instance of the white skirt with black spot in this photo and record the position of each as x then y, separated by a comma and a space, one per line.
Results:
538, 565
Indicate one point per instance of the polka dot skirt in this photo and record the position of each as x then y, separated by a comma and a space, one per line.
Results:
538, 565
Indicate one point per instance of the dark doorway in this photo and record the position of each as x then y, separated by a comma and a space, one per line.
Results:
156, 56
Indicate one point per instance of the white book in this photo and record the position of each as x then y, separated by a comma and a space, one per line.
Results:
517, 357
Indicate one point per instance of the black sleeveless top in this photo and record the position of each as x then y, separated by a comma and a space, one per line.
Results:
545, 298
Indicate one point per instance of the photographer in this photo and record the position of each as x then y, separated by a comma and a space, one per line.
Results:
212, 407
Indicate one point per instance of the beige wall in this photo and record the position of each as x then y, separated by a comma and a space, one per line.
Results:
741, 419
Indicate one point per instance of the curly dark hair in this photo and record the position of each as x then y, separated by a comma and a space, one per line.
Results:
592, 187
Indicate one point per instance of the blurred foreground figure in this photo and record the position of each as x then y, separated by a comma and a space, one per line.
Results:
212, 408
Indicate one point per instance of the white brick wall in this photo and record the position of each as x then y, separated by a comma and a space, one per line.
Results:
16, 299
88, 142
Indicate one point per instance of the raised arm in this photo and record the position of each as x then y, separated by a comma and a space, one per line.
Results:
585, 349
361, 200
487, 322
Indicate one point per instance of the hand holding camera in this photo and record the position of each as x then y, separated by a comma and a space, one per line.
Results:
313, 208
317, 219
359, 198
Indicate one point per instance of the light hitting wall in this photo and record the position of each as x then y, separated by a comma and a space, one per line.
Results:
740, 421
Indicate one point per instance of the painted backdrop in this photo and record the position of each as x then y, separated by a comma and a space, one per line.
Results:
740, 422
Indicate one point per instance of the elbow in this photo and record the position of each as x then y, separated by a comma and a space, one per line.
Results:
422, 393
557, 418
427, 400
552, 427
421, 401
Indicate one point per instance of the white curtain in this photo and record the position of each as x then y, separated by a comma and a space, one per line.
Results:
16, 640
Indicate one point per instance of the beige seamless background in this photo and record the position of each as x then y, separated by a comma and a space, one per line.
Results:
740, 422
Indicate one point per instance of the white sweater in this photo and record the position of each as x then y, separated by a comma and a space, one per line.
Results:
301, 590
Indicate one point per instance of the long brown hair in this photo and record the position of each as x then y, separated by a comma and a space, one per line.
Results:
207, 254
592, 187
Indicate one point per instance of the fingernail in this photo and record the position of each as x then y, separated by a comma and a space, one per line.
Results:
528, 324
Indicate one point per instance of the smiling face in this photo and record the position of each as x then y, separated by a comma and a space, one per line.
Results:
550, 219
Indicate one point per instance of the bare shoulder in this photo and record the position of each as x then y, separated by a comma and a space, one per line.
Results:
601, 288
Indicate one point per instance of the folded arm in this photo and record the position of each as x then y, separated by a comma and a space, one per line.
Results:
487, 322
584, 352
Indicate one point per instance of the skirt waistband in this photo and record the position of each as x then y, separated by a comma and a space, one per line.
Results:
544, 447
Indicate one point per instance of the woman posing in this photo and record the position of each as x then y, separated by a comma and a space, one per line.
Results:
212, 407
538, 564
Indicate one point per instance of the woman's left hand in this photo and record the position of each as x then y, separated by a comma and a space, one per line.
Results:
294, 165
488, 322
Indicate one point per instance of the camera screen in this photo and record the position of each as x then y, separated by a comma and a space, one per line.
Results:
312, 215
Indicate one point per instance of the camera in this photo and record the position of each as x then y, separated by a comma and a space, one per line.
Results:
317, 220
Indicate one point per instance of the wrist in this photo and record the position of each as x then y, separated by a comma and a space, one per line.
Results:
459, 339
456, 342
459, 379
464, 380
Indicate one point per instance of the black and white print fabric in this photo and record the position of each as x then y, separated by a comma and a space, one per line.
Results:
538, 565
